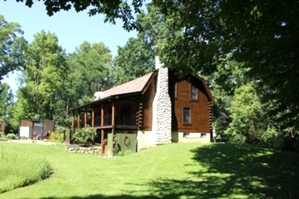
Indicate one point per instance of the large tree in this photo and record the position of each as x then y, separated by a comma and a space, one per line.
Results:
247, 116
133, 61
259, 34
137, 57
90, 65
42, 78
12, 46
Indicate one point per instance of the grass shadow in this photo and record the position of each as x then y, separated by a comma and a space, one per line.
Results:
235, 171
219, 171
99, 196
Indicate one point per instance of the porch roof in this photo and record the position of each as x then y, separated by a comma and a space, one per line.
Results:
134, 87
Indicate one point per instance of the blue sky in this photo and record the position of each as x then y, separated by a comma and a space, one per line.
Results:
71, 28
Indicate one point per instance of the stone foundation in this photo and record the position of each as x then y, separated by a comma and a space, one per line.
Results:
201, 137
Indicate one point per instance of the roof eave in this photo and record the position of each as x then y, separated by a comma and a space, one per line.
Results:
148, 83
102, 100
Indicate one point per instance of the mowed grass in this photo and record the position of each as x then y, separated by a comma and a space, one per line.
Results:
190, 170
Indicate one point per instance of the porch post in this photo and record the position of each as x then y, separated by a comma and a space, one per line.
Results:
102, 130
113, 126
73, 120
78, 118
102, 115
113, 119
113, 114
102, 143
85, 117
73, 126
92, 117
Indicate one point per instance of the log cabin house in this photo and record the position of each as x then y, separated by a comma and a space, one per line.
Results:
156, 108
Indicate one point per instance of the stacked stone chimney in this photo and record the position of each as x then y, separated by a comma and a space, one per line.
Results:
161, 107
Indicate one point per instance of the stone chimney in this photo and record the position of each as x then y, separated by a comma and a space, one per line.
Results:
161, 107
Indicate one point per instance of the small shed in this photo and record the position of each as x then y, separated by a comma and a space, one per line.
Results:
35, 129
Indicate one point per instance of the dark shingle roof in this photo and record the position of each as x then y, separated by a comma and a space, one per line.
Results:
136, 85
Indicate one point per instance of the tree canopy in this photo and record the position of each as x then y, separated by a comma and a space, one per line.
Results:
113, 9
11, 46
247, 50
43, 75
261, 35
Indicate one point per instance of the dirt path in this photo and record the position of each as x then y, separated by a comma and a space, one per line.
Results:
45, 142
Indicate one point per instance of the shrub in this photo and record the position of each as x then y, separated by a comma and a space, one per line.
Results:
64, 133
11, 136
2, 135
272, 138
52, 136
61, 129
56, 136
85, 135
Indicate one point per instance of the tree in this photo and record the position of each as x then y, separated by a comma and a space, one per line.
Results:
42, 78
247, 116
133, 61
11, 47
91, 65
137, 57
6, 102
20, 110
261, 35
88, 70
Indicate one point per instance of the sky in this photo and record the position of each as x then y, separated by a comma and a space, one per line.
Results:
71, 28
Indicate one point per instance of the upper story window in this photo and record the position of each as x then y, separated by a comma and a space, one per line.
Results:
194, 93
186, 115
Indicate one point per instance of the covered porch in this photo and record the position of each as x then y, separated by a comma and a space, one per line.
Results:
109, 116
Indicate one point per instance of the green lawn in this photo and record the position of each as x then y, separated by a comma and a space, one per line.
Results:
188, 170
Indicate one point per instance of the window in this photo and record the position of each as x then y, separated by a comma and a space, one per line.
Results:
194, 93
186, 115
125, 115
186, 135
203, 135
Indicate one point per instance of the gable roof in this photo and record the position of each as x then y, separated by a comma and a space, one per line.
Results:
207, 89
188, 78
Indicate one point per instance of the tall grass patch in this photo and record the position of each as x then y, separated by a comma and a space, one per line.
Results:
18, 170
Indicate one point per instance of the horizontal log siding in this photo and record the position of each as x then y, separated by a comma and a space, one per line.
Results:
200, 113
